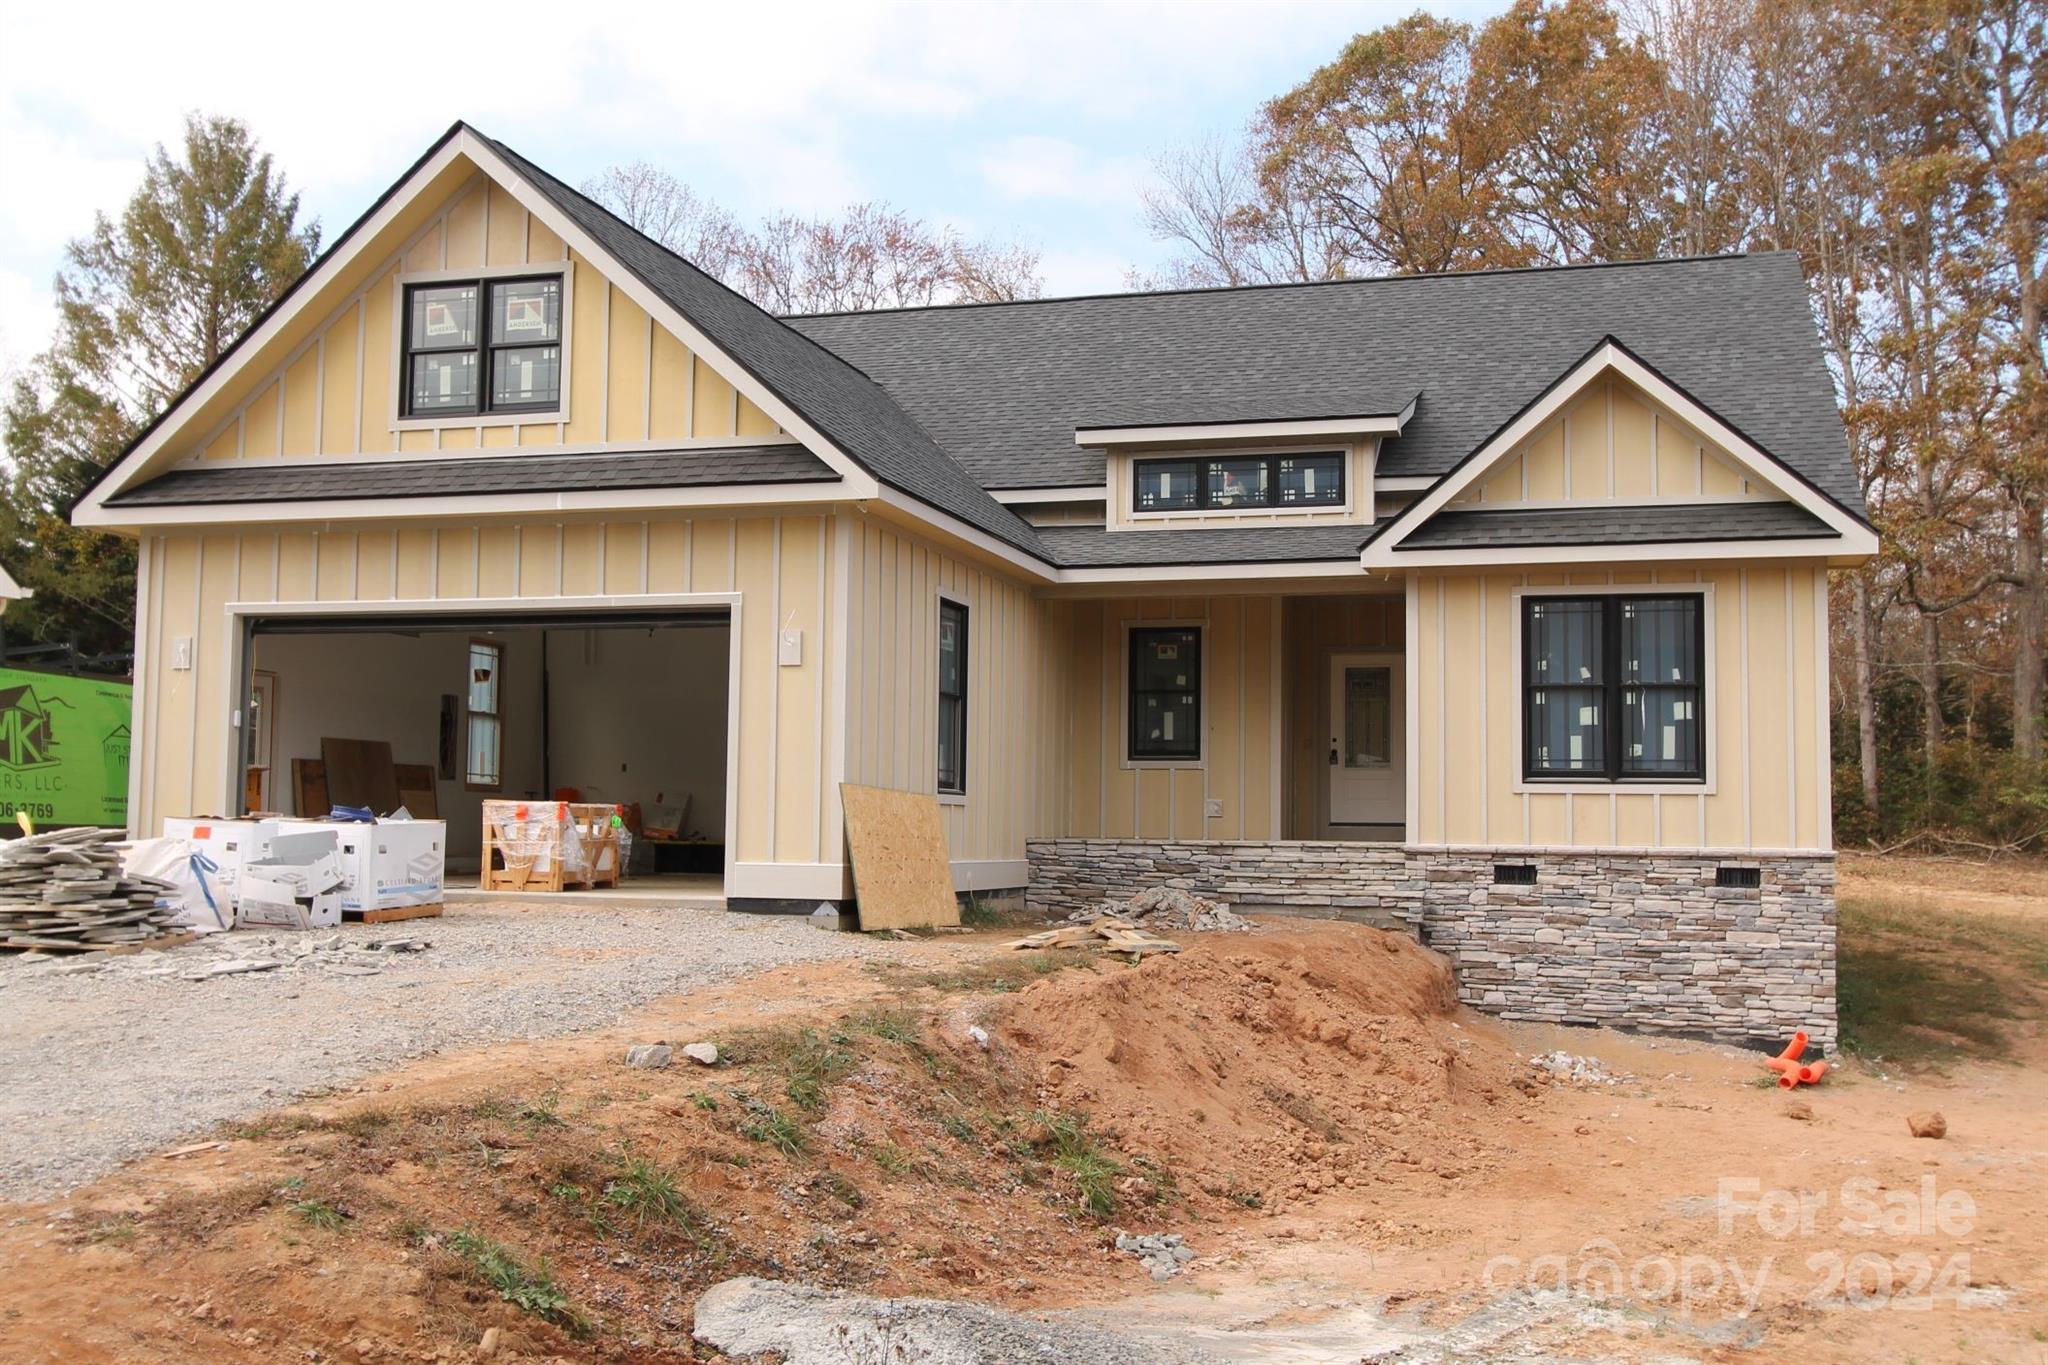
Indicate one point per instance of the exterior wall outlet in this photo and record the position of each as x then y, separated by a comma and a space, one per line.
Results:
1213, 809
791, 649
181, 652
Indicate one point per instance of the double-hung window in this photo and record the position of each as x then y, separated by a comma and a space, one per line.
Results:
486, 722
1165, 722
952, 766
1613, 688
474, 347
1229, 483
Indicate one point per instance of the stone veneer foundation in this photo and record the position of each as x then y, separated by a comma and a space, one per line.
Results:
1628, 939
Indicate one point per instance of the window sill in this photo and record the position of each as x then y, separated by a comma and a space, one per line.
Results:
1184, 764
1335, 509
1600, 786
454, 422
952, 798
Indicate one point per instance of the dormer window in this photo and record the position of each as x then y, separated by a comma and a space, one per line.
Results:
483, 346
1238, 482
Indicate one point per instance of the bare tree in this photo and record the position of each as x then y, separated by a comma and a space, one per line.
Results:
870, 256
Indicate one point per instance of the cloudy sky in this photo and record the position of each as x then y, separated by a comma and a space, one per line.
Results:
1035, 121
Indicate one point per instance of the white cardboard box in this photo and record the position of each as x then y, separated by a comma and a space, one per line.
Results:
297, 886
229, 842
392, 863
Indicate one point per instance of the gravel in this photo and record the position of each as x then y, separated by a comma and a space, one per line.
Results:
110, 1058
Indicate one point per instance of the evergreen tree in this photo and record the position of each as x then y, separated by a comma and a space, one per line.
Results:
145, 303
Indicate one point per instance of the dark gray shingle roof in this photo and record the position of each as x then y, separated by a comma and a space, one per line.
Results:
1612, 525
476, 475
849, 408
1001, 387
1094, 547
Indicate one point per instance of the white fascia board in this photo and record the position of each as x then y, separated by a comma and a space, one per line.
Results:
267, 331
492, 453
465, 506
11, 591
1408, 483
1097, 493
860, 483
1335, 428
1831, 549
1609, 356
1198, 573
973, 535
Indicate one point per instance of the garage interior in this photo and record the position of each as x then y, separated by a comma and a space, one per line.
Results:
620, 709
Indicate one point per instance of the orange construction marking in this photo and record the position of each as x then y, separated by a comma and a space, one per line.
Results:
1791, 1074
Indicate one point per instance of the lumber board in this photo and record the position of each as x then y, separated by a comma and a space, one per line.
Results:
309, 788
393, 913
416, 790
360, 773
902, 876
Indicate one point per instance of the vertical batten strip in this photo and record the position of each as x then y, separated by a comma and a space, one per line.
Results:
1748, 730
1792, 758
773, 690
821, 757
1823, 752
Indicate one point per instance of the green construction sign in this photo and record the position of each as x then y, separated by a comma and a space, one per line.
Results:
63, 749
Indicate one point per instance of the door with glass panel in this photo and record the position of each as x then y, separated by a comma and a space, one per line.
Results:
1368, 732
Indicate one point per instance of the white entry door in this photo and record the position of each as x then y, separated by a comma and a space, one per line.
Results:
1368, 735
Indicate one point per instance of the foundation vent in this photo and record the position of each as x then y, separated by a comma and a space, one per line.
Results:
1739, 878
1514, 874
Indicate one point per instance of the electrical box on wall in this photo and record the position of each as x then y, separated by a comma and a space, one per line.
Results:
791, 649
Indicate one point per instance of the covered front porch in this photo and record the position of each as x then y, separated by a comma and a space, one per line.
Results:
1243, 717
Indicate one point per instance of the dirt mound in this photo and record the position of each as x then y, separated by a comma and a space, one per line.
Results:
1287, 1063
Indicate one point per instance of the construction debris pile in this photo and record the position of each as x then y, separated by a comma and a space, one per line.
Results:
1105, 935
1168, 908
1566, 1068
65, 889
243, 953
1162, 1253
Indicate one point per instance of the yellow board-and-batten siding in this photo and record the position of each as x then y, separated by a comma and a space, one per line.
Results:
1613, 444
1765, 708
782, 567
628, 379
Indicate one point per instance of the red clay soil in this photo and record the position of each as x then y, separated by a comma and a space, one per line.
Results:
1202, 1089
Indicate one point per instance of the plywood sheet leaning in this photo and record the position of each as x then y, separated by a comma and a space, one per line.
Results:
416, 790
902, 878
309, 788
360, 773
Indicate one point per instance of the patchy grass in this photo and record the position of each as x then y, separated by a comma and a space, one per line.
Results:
1921, 985
763, 1122
998, 975
529, 1288
648, 1194
807, 1061
318, 1213
1076, 1153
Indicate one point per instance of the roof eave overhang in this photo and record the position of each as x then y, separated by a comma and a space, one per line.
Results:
1837, 550
1191, 434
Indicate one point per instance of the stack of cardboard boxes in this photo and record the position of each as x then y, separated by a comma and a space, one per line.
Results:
309, 873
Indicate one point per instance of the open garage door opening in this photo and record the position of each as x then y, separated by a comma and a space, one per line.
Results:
619, 708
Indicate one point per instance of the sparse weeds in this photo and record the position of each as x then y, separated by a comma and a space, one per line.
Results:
999, 975
807, 1061
765, 1123
648, 1194
530, 1288
318, 1213
1076, 1153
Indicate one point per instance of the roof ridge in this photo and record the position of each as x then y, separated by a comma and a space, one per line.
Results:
1480, 272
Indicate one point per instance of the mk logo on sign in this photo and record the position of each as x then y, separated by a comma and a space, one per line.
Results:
27, 739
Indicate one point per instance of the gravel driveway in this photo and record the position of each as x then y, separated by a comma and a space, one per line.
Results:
109, 1058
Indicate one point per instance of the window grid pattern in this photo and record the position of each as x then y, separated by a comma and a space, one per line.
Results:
473, 347
1165, 722
486, 722
1229, 483
1613, 687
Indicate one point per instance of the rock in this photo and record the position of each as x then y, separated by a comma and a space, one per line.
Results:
1928, 1125
649, 1056
1566, 1068
1168, 907
1801, 1110
749, 1317
704, 1054
978, 1034
1162, 1253
488, 1347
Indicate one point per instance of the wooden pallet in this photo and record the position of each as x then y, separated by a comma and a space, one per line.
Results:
56, 945
394, 913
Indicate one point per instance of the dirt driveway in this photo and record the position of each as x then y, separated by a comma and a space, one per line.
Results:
109, 1058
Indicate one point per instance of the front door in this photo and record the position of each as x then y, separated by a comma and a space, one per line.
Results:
1368, 763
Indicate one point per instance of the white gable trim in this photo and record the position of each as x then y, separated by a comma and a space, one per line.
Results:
91, 509
11, 591
1610, 357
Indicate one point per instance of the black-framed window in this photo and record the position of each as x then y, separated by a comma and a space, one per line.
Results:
1613, 688
1228, 483
952, 764
482, 346
1165, 693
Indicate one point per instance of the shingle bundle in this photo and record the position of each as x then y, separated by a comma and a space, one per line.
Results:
65, 889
